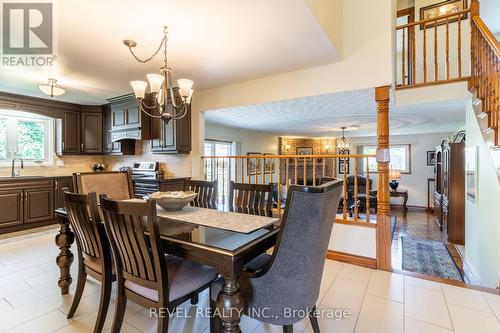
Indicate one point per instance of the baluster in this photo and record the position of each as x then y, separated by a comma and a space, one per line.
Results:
314, 171
413, 56
367, 190
436, 77
305, 171
425, 52
296, 170
447, 49
271, 171
324, 166
204, 168
335, 167
287, 165
459, 47
356, 190
279, 188
344, 209
242, 166
263, 170
223, 184
403, 63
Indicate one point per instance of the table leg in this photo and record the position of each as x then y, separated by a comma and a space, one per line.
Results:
65, 258
230, 306
405, 207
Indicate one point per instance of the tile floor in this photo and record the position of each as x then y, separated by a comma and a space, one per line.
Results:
378, 301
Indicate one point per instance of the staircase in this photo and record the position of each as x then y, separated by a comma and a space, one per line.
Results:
484, 83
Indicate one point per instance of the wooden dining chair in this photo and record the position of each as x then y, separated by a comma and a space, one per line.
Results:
288, 281
94, 253
207, 193
254, 199
145, 274
115, 184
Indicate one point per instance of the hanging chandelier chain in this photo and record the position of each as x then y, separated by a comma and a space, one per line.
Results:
163, 43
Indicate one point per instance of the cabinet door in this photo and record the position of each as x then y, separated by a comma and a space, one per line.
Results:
91, 132
133, 115
107, 145
11, 206
60, 186
70, 132
38, 204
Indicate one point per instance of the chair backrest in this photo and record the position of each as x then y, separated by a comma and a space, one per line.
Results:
293, 276
84, 218
361, 183
207, 193
253, 199
115, 184
126, 224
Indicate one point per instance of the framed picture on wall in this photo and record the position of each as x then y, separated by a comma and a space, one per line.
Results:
440, 9
305, 151
341, 166
460, 137
431, 157
253, 164
471, 174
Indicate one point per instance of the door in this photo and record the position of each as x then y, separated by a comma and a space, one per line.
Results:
11, 206
220, 170
38, 204
60, 186
71, 132
91, 132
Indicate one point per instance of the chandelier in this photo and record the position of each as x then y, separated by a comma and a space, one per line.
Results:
343, 145
51, 88
161, 87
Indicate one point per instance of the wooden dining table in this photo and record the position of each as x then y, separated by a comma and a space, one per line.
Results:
224, 240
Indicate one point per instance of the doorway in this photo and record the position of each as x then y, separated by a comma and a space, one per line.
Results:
220, 169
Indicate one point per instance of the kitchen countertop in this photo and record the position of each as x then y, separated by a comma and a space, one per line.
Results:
24, 178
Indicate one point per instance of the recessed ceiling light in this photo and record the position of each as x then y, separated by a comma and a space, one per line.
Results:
52, 88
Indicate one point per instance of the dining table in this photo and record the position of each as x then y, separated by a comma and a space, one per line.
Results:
224, 240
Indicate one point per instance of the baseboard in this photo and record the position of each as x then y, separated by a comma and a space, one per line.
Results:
27, 226
352, 259
411, 208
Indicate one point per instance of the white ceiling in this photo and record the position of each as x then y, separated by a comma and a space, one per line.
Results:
324, 115
212, 42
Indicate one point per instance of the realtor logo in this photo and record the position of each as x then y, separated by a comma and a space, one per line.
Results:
27, 28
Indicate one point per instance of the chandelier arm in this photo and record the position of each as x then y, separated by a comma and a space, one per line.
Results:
149, 114
171, 91
181, 113
149, 58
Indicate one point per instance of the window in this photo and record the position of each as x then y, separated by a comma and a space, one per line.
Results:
400, 158
25, 135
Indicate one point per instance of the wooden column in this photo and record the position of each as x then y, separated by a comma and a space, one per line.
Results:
383, 205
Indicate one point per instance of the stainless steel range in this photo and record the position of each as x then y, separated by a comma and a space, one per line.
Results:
144, 176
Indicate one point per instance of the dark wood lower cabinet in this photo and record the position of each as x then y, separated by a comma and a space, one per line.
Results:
11, 206
29, 203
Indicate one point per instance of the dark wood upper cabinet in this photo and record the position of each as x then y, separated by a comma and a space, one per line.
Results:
70, 132
109, 146
174, 137
11, 206
91, 132
127, 120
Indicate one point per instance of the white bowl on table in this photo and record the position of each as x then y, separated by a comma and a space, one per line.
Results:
174, 200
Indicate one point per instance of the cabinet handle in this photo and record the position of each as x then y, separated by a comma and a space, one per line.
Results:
81, 147
22, 197
63, 146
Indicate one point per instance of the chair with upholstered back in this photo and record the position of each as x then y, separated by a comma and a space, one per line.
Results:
253, 199
207, 193
115, 184
144, 273
289, 279
94, 253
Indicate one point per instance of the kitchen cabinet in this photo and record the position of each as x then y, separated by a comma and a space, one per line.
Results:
91, 132
128, 122
38, 204
11, 206
126, 147
60, 185
174, 137
70, 132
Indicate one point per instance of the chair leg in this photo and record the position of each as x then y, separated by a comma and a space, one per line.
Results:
215, 323
288, 329
103, 304
194, 299
314, 320
80, 285
121, 305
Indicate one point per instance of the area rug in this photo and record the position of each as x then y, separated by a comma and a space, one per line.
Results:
429, 257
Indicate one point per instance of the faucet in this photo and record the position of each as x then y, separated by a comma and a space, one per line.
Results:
13, 174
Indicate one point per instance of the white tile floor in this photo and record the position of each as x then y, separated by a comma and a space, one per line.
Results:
378, 301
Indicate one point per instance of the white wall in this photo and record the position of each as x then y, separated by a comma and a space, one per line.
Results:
416, 182
482, 222
247, 141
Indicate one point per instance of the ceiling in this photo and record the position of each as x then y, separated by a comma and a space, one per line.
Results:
324, 115
212, 42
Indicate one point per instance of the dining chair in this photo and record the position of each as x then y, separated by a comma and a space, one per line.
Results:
94, 253
207, 193
145, 273
288, 281
115, 184
253, 199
